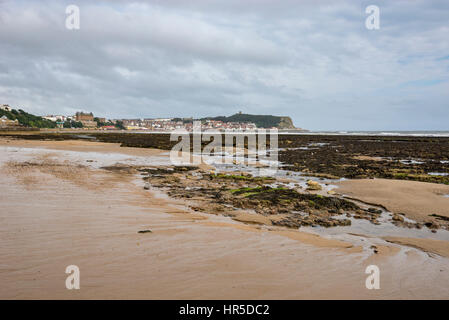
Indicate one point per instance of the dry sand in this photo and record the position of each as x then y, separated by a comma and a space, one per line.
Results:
429, 245
56, 213
415, 199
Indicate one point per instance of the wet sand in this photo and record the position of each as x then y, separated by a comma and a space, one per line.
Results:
416, 200
57, 210
82, 146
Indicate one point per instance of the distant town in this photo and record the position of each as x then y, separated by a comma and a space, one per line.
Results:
15, 118
88, 120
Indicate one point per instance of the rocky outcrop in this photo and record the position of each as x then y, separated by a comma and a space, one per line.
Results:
286, 123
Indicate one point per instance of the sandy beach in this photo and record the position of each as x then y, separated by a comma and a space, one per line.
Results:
59, 208
184, 152
415, 199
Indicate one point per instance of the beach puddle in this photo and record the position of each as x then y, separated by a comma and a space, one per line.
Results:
442, 174
384, 229
411, 161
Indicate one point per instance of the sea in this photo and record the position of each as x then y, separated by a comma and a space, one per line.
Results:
375, 133
349, 133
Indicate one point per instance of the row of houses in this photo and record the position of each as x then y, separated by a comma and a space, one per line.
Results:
159, 124
86, 118
171, 124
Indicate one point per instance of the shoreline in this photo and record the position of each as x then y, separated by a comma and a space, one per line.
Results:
178, 223
424, 159
393, 133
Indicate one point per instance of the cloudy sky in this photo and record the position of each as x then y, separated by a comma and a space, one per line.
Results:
312, 60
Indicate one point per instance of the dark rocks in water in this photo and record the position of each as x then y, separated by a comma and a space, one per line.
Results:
217, 196
440, 217
312, 221
145, 231
367, 156
374, 210
291, 198
432, 225
289, 223
161, 171
119, 168
346, 156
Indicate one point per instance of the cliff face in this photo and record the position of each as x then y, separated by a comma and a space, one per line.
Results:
286, 123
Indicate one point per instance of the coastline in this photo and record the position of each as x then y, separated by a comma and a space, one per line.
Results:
384, 133
191, 255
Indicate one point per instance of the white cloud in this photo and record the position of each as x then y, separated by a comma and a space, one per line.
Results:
314, 62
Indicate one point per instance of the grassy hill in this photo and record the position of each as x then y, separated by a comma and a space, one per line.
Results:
261, 121
27, 119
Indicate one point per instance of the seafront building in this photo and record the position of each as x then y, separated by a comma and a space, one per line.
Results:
87, 119
55, 118
7, 123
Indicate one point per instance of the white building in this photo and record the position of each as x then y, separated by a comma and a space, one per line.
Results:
162, 119
55, 118
5, 107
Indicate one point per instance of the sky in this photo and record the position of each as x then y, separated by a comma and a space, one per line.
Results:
315, 61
